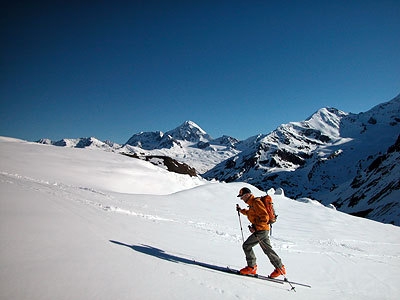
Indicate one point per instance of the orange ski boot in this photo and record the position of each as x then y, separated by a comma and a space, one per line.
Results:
249, 270
277, 272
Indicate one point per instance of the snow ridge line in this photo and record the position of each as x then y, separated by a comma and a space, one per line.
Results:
132, 213
65, 190
46, 182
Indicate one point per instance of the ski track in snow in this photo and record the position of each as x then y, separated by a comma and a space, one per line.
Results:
70, 192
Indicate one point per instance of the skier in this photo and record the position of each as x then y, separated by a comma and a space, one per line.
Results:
258, 217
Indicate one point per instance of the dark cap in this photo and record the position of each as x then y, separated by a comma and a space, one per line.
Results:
243, 191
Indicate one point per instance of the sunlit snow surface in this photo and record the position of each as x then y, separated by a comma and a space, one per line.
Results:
88, 224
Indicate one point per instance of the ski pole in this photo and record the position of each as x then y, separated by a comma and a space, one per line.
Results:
240, 222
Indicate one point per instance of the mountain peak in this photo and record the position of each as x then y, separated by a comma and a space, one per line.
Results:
326, 120
189, 131
191, 124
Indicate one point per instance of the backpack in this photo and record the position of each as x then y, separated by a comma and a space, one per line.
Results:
269, 206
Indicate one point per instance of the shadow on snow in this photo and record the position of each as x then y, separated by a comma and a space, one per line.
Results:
161, 254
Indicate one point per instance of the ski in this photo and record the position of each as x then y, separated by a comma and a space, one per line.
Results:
258, 276
263, 277
295, 283
233, 271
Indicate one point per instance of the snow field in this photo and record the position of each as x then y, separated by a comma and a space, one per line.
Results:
85, 224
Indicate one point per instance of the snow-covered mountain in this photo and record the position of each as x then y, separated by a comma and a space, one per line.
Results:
188, 143
349, 160
188, 132
89, 142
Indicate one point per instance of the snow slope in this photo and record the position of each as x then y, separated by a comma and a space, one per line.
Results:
84, 224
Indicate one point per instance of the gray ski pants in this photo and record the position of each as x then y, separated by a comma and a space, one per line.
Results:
262, 238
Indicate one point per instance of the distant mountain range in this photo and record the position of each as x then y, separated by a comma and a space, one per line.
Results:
348, 160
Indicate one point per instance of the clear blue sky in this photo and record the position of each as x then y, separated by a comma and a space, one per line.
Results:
110, 69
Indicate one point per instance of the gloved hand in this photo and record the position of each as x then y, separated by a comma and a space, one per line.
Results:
238, 208
252, 228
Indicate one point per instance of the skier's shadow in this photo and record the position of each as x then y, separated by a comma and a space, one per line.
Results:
161, 254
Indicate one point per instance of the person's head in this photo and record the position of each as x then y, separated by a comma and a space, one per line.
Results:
244, 194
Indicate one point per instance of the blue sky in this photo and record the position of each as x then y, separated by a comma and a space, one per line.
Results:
110, 69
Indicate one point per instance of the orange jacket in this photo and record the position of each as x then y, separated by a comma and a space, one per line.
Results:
257, 214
